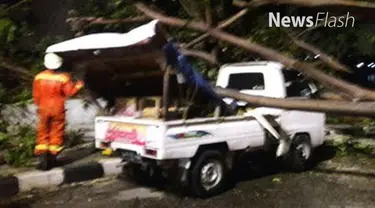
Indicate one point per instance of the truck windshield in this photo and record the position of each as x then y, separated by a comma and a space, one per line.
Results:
246, 81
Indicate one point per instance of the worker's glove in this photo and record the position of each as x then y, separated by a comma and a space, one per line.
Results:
80, 84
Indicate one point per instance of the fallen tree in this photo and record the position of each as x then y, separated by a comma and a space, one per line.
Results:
343, 90
337, 107
79, 22
357, 93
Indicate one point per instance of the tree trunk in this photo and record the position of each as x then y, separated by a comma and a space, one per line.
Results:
333, 107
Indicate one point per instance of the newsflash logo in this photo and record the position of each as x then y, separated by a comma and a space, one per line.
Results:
321, 18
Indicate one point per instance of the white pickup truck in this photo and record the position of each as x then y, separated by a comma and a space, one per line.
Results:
204, 148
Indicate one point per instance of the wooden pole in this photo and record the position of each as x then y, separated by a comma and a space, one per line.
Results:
166, 92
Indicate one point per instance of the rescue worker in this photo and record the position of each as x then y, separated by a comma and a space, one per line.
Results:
51, 88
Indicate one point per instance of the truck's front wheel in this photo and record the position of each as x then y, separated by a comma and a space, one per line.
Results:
208, 174
299, 154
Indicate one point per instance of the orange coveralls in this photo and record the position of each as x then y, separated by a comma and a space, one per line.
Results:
50, 90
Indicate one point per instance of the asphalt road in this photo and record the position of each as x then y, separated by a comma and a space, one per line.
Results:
281, 190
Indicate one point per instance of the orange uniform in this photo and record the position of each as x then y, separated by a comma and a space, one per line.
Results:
50, 90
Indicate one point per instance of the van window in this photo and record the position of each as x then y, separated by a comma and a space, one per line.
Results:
246, 81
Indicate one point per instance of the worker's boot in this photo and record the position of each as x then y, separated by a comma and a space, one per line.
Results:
43, 162
52, 162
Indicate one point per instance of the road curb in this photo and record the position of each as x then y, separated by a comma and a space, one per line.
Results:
23, 182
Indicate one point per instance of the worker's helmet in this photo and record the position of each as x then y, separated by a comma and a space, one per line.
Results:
52, 61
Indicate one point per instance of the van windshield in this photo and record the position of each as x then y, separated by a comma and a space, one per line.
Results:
246, 81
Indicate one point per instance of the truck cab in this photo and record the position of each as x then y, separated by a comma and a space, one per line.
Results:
264, 78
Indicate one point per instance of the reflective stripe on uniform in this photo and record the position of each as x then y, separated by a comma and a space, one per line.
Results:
53, 77
41, 147
55, 148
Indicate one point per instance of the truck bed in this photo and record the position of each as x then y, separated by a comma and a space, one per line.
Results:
182, 138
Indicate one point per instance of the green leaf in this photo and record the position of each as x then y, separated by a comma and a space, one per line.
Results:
11, 33
3, 136
5, 24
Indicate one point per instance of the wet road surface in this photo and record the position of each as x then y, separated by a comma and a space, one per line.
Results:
258, 185
282, 190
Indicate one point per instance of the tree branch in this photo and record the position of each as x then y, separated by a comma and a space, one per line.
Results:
327, 59
239, 3
309, 29
200, 54
221, 25
193, 9
333, 96
307, 3
209, 13
17, 69
330, 82
6, 10
79, 22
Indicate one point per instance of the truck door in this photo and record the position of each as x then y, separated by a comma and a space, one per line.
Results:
240, 133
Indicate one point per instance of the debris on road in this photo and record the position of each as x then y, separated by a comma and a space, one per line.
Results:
276, 180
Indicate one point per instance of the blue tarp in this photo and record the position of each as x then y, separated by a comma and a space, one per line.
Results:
181, 64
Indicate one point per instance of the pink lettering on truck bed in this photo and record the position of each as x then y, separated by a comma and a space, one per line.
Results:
125, 133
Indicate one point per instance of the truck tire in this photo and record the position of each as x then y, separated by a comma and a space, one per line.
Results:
208, 175
298, 158
133, 172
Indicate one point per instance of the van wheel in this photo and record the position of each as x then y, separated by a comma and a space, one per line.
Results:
208, 174
300, 152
